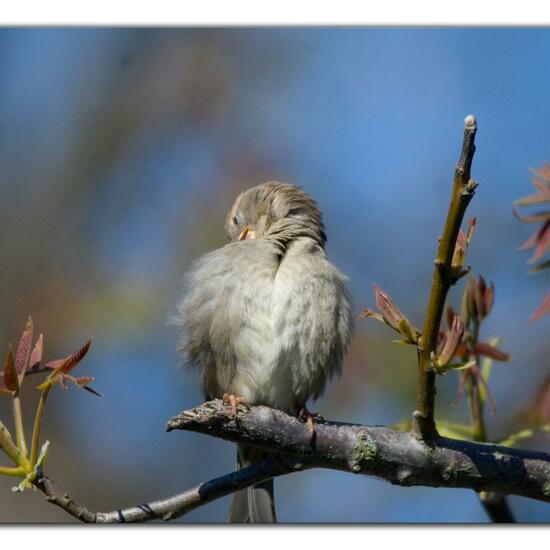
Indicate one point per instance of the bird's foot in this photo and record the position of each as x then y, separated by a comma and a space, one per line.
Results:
230, 399
309, 418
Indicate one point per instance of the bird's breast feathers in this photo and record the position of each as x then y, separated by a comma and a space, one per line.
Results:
269, 329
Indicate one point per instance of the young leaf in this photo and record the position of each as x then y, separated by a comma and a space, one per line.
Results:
84, 381
24, 351
62, 367
542, 242
36, 355
55, 363
368, 313
389, 310
543, 309
450, 315
3, 389
74, 359
10, 374
482, 348
453, 338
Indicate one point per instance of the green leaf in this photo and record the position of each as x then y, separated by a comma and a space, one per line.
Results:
456, 366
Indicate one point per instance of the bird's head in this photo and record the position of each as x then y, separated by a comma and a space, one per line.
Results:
275, 211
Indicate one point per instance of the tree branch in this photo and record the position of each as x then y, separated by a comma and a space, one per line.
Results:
174, 506
397, 457
443, 278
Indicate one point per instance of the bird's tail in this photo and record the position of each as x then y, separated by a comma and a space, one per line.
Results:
254, 504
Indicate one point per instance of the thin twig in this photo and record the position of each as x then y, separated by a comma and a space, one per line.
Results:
174, 506
443, 278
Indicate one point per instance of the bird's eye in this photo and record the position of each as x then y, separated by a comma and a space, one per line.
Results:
238, 219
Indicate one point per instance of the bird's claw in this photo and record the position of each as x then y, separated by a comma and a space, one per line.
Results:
230, 399
309, 418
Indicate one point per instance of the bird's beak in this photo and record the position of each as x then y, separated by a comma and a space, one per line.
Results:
246, 233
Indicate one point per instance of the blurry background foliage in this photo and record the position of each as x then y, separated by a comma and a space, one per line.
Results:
120, 152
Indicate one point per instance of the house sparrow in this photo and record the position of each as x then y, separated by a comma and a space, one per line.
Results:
266, 318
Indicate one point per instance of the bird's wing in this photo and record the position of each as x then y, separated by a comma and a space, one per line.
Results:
312, 318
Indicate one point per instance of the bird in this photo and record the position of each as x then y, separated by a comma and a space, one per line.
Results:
266, 319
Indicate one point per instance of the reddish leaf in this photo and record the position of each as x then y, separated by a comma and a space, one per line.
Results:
542, 187
484, 297
450, 315
10, 373
487, 350
24, 350
387, 307
462, 351
3, 389
489, 298
543, 309
461, 241
478, 299
452, 341
530, 200
471, 228
533, 218
531, 241
69, 363
84, 383
481, 287
367, 313
36, 355
72, 361
544, 172
470, 298
84, 380
543, 242
55, 363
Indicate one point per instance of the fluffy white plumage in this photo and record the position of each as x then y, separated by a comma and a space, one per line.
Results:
266, 318
268, 328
